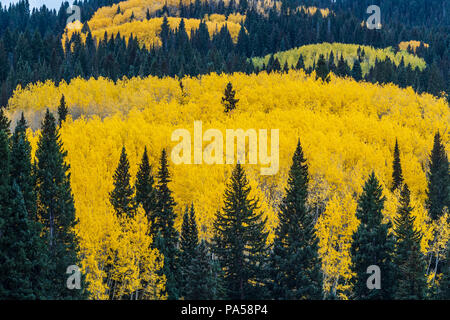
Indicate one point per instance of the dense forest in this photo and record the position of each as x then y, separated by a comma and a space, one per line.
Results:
88, 180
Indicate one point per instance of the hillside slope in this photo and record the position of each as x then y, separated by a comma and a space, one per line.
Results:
312, 52
347, 129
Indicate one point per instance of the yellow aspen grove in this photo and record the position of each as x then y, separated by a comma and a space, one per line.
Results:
347, 129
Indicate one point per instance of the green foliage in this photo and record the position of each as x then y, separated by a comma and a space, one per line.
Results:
167, 235
438, 178
62, 110
411, 280
295, 263
122, 196
228, 100
56, 208
145, 190
397, 176
372, 245
240, 240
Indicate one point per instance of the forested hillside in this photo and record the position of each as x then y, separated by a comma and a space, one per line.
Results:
115, 132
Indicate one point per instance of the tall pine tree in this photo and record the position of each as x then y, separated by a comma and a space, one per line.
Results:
438, 178
411, 280
122, 196
167, 235
62, 109
295, 264
56, 208
397, 176
145, 190
372, 245
240, 240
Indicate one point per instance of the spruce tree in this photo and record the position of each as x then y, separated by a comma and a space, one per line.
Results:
21, 166
205, 277
300, 63
167, 235
24, 261
240, 240
4, 122
122, 196
372, 245
357, 71
295, 263
228, 100
188, 249
397, 176
322, 68
62, 110
56, 208
411, 280
438, 178
145, 190
443, 291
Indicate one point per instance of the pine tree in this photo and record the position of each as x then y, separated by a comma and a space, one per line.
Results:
122, 196
21, 166
357, 71
438, 178
372, 244
62, 111
167, 235
4, 122
229, 100
205, 277
295, 264
300, 63
397, 176
145, 190
411, 281
443, 291
322, 68
23, 255
188, 250
56, 208
240, 240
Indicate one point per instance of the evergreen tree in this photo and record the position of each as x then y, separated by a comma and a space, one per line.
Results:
357, 71
343, 69
240, 240
145, 190
205, 277
443, 291
188, 250
295, 264
121, 197
397, 176
438, 178
23, 255
62, 110
300, 63
56, 208
21, 166
229, 100
167, 240
372, 245
411, 280
322, 68
4, 122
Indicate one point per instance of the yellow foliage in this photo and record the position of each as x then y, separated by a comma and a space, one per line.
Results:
107, 19
347, 129
413, 44
312, 52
